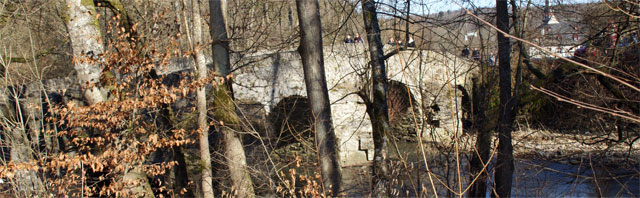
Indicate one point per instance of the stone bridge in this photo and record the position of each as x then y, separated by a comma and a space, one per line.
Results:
269, 88
274, 82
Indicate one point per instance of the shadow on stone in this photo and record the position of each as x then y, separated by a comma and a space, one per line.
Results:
292, 120
402, 106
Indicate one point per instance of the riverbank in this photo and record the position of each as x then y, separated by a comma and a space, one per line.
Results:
572, 148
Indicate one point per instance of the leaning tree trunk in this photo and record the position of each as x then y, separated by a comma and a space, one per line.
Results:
224, 108
85, 37
379, 111
201, 97
520, 32
504, 164
313, 64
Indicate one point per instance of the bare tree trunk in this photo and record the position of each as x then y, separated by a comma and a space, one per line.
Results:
181, 179
124, 20
86, 44
379, 111
180, 172
520, 32
406, 25
504, 166
483, 140
201, 97
313, 64
224, 107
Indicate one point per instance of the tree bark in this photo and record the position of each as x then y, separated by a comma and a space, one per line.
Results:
504, 165
124, 20
314, 75
520, 32
164, 120
406, 26
86, 44
180, 173
201, 97
379, 111
483, 140
224, 107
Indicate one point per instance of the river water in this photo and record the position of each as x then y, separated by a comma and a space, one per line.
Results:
532, 178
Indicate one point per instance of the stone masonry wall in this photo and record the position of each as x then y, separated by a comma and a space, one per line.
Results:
431, 77
263, 79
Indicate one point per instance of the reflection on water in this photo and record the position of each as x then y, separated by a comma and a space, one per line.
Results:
533, 178
551, 179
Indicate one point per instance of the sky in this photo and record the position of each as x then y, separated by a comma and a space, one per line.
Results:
435, 6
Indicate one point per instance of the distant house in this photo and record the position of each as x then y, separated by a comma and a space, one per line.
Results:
470, 34
556, 35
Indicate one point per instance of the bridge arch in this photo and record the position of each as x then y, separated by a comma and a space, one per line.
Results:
292, 121
403, 108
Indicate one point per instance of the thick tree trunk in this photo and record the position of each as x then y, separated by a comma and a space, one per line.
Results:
313, 64
483, 141
201, 97
124, 20
233, 150
181, 179
504, 166
379, 111
180, 173
224, 107
86, 44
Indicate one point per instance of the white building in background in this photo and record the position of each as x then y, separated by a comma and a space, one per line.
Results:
560, 50
557, 36
470, 34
